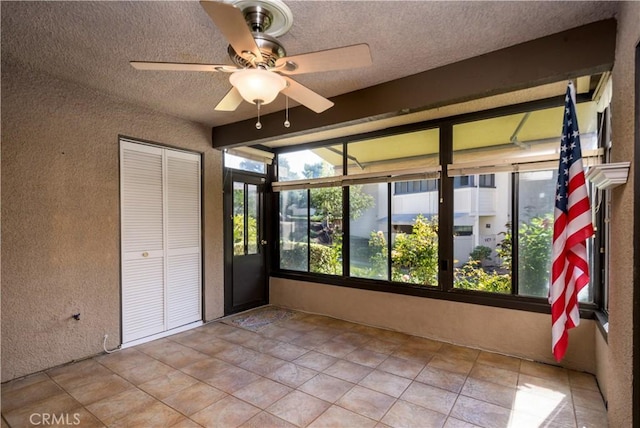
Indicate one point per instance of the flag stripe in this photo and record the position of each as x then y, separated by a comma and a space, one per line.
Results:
572, 227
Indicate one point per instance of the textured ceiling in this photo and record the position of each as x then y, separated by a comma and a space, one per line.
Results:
91, 43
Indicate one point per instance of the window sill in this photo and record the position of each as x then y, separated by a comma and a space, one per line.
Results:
602, 321
507, 301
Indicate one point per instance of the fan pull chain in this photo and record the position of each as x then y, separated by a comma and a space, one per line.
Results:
286, 112
258, 124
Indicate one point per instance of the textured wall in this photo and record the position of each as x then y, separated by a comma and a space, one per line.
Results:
60, 216
506, 331
619, 357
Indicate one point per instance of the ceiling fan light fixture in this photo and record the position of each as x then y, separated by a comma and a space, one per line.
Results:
256, 84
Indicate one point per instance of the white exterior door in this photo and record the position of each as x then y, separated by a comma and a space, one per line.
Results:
160, 239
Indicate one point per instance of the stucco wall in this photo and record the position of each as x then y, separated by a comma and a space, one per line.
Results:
60, 216
617, 372
506, 331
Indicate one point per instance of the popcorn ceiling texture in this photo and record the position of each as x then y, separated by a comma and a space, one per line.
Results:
60, 216
92, 43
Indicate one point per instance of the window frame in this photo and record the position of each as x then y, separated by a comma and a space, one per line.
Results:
444, 289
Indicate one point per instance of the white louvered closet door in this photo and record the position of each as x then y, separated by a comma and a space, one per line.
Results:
160, 221
183, 233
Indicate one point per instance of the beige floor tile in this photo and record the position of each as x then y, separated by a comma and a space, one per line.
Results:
481, 413
412, 354
337, 417
386, 383
212, 346
310, 341
556, 407
315, 361
457, 423
346, 370
237, 335
366, 402
78, 374
583, 380
544, 371
381, 346
156, 415
452, 364
186, 423
29, 393
60, 404
205, 369
400, 367
430, 397
353, 338
236, 354
194, 398
591, 418
262, 393
103, 387
287, 351
110, 409
335, 348
266, 420
391, 336
124, 359
427, 376
494, 374
291, 374
298, 408
168, 384
146, 372
588, 398
541, 386
459, 352
490, 392
228, 412
232, 379
23, 382
366, 357
262, 364
175, 354
424, 344
280, 333
327, 388
499, 361
442, 379
84, 419
404, 414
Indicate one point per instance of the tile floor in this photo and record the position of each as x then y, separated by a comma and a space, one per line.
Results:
307, 370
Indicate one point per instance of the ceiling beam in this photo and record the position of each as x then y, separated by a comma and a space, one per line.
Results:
583, 50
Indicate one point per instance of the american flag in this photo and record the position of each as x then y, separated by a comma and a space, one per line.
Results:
572, 227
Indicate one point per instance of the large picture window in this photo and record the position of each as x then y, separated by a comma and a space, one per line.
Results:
468, 211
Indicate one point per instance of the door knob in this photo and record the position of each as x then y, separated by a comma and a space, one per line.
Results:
145, 254
263, 242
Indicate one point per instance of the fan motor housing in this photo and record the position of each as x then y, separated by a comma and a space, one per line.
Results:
270, 49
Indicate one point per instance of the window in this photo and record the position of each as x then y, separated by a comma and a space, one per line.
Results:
294, 230
369, 231
417, 186
244, 164
409, 217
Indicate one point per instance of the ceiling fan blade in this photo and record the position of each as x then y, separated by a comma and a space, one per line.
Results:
230, 102
179, 66
230, 20
306, 96
343, 58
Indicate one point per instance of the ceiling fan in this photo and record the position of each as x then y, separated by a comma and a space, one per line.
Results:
261, 68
